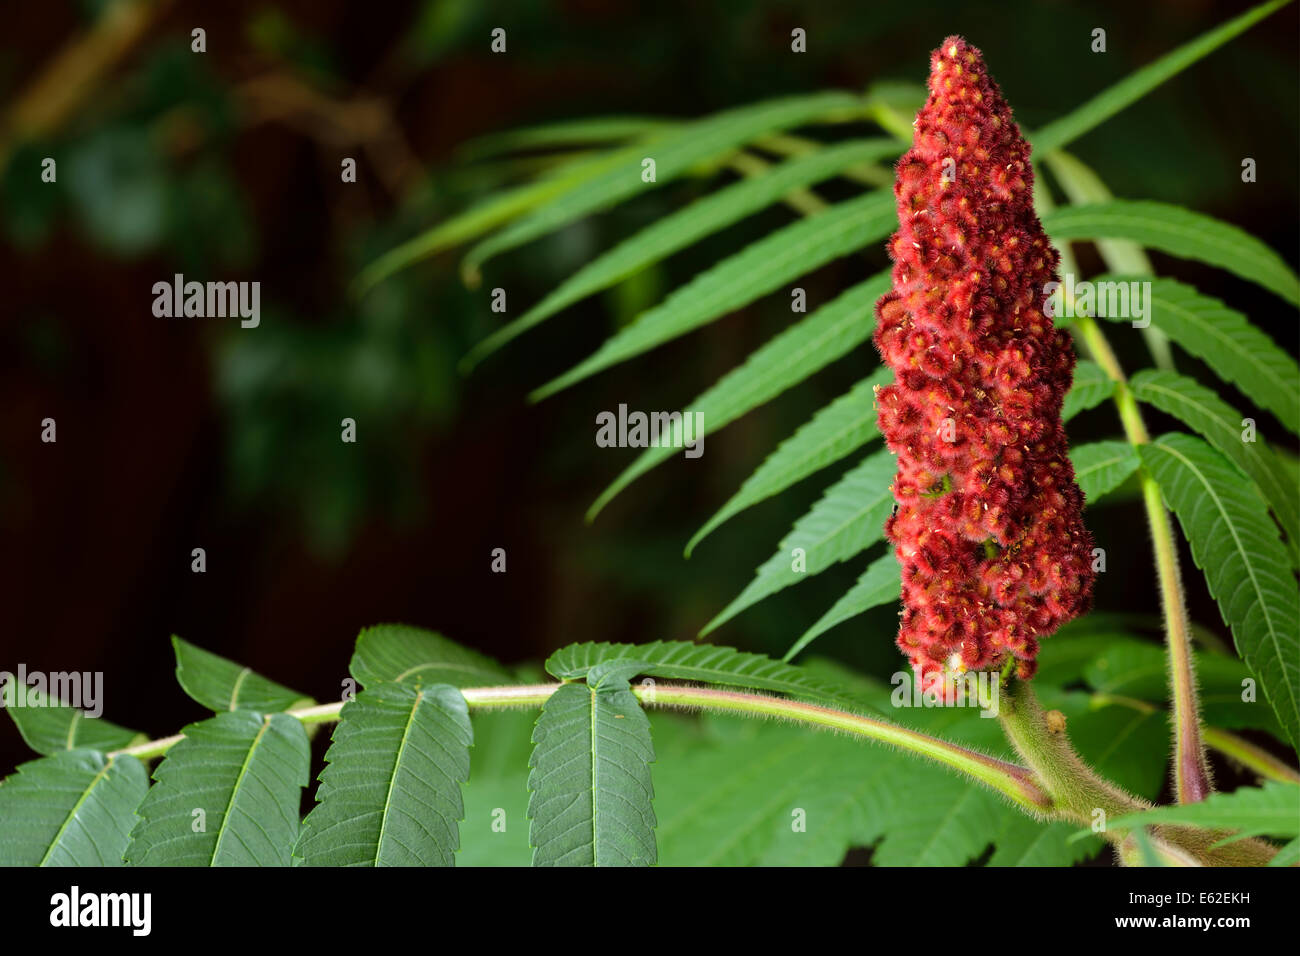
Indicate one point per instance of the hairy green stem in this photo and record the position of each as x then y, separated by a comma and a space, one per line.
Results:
1012, 781
1191, 770
1083, 796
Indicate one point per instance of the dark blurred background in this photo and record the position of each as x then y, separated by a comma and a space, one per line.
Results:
177, 434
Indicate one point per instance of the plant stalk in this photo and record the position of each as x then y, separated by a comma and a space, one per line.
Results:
1191, 770
1012, 781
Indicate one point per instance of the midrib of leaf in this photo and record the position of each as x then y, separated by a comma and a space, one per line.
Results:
435, 666
1225, 341
1098, 465
72, 727
234, 791
397, 769
595, 790
72, 814
234, 690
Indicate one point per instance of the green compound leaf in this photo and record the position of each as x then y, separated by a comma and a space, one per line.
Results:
220, 684
675, 151
881, 583
681, 229
1226, 341
1066, 129
245, 773
762, 266
1222, 426
705, 663
836, 431
1235, 543
1101, 467
399, 652
1271, 810
1178, 232
590, 781
74, 808
1091, 387
830, 333
49, 728
390, 792
848, 519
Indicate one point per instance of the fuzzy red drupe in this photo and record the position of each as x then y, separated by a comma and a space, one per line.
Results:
988, 528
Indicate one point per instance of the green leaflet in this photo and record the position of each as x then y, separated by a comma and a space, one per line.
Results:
686, 226
837, 430
830, 333
705, 663
1066, 129
1091, 387
390, 792
399, 652
1221, 425
74, 808
879, 584
219, 684
488, 214
674, 151
1270, 810
759, 268
591, 794
1235, 543
849, 518
1178, 232
245, 773
1225, 340
1102, 466
49, 729
591, 131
